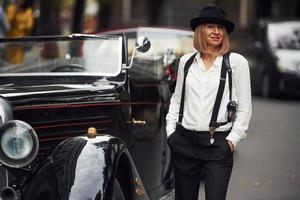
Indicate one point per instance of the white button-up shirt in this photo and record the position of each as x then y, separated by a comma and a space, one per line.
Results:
200, 95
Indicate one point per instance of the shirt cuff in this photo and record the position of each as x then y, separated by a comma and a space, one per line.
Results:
170, 130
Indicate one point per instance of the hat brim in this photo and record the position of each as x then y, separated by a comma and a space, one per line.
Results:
229, 26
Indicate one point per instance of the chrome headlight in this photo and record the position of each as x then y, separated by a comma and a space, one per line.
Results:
19, 144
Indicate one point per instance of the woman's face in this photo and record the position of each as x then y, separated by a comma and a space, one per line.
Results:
214, 34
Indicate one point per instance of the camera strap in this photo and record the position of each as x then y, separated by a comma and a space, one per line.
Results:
225, 68
229, 71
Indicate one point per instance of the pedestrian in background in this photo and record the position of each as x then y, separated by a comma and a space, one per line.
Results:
210, 109
20, 18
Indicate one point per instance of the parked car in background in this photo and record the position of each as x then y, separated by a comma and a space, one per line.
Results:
159, 64
275, 66
80, 120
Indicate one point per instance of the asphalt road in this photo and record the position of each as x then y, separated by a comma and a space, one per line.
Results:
267, 162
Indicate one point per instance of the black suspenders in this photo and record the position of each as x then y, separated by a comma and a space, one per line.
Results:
187, 66
225, 68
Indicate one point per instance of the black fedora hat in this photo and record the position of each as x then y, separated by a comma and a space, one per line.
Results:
212, 14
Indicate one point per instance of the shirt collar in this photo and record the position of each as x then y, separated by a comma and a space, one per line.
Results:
217, 63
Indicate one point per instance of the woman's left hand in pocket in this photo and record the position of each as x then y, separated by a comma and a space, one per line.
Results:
230, 145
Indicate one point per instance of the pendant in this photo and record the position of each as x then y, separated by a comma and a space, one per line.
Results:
212, 140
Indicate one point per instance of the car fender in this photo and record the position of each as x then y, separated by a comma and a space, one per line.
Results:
86, 168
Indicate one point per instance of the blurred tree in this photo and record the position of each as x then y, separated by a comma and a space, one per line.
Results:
104, 14
48, 22
263, 8
77, 23
154, 8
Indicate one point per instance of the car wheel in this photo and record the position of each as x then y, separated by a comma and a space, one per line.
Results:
117, 191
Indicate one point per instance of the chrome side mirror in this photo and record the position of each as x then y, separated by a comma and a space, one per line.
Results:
142, 45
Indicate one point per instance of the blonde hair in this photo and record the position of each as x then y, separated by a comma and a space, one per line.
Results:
200, 42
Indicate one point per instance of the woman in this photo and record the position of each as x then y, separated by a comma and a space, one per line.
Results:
202, 126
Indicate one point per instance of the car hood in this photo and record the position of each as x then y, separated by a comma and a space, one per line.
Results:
59, 93
23, 91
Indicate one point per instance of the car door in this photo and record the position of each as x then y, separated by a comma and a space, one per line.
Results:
150, 96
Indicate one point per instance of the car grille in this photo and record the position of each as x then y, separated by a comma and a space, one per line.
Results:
55, 122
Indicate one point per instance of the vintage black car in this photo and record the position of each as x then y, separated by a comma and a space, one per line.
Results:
75, 125
275, 66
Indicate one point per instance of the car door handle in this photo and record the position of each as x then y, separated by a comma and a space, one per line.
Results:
136, 122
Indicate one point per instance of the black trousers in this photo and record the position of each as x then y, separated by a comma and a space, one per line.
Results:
194, 158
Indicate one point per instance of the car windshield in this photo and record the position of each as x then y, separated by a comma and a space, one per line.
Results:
285, 35
75, 54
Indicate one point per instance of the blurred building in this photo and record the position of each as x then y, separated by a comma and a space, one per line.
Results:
178, 13
63, 17
245, 13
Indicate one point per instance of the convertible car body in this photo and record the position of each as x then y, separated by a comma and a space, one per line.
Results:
69, 126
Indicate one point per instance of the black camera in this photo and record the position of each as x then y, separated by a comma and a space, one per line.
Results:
231, 108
